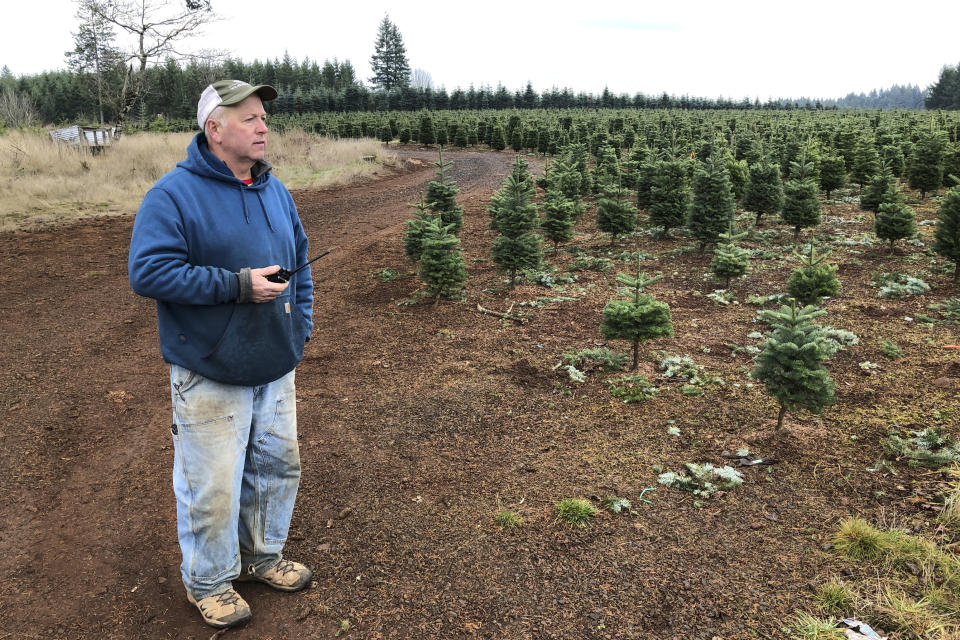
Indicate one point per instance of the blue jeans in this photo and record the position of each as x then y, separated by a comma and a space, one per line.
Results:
235, 474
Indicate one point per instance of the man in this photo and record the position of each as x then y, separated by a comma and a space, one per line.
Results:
232, 338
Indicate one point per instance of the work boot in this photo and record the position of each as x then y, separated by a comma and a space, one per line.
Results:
222, 610
286, 575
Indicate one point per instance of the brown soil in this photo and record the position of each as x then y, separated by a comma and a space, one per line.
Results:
419, 422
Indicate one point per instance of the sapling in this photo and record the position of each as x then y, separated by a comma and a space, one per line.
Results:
441, 262
814, 280
442, 197
801, 204
764, 193
515, 216
615, 215
729, 260
417, 228
894, 221
791, 363
637, 318
712, 208
946, 236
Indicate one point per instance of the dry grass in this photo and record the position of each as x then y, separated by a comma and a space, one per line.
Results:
43, 183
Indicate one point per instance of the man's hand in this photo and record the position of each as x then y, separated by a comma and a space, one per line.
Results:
263, 289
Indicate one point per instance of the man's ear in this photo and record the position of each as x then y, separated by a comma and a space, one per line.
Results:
213, 131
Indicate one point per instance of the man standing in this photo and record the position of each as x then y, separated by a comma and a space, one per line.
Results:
232, 338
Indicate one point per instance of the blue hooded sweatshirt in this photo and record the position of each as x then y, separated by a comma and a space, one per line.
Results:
196, 230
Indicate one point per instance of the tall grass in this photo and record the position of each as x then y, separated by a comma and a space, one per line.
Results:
44, 183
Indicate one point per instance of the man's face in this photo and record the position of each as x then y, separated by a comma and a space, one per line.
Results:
242, 139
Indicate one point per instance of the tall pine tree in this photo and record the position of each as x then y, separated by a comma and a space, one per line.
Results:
389, 60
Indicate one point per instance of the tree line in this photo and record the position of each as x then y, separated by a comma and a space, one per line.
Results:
170, 90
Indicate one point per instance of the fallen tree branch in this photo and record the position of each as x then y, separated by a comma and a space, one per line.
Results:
500, 314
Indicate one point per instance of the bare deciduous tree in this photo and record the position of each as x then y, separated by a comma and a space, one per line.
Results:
157, 26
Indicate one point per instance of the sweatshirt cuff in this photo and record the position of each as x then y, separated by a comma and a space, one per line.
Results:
246, 285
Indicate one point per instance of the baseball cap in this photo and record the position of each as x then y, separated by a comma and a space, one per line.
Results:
228, 92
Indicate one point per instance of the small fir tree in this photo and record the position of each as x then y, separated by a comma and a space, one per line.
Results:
729, 260
607, 169
833, 173
646, 174
894, 221
442, 196
638, 317
517, 247
791, 363
615, 215
441, 262
881, 188
814, 280
739, 176
946, 236
926, 163
520, 172
418, 228
426, 134
559, 215
801, 201
712, 209
764, 193
866, 162
669, 195
497, 138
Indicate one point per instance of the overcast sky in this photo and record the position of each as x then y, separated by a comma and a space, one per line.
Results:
703, 48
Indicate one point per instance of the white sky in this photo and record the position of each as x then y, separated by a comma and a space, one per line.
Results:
704, 48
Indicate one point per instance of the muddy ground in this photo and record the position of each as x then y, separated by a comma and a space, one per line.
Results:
419, 422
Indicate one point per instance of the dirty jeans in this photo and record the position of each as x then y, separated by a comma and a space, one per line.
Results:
235, 475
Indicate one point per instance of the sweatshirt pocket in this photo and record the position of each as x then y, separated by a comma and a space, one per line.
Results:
261, 343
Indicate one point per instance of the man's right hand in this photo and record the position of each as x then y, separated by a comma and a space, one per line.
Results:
263, 289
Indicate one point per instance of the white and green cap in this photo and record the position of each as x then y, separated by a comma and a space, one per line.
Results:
227, 92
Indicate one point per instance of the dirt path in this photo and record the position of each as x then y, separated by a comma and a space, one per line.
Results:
418, 423
88, 531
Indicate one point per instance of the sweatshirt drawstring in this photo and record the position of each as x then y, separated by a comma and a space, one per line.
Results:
243, 199
264, 209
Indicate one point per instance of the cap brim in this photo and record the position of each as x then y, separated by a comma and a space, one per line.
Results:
265, 91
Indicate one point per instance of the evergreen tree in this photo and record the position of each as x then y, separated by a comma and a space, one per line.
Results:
389, 59
96, 55
866, 162
497, 140
894, 220
739, 176
441, 262
729, 260
801, 201
881, 188
515, 216
615, 215
926, 164
669, 195
559, 216
418, 228
833, 173
814, 280
646, 175
764, 193
607, 169
791, 363
946, 236
638, 317
712, 208
892, 155
442, 197
426, 133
